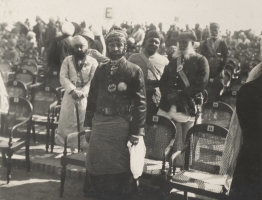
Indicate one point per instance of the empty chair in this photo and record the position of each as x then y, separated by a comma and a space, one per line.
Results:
203, 158
19, 114
214, 89
25, 76
16, 89
30, 58
52, 79
30, 66
217, 113
159, 139
42, 98
230, 98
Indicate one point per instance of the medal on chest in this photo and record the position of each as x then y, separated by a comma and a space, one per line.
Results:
111, 88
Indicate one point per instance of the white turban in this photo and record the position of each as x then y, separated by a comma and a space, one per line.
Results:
68, 28
79, 40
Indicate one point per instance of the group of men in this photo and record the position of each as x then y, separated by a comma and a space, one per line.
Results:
119, 95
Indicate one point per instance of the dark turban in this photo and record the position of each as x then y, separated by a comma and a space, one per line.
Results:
153, 34
116, 35
187, 35
214, 25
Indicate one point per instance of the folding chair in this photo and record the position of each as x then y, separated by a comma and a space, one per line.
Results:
16, 89
230, 98
217, 113
19, 114
203, 158
159, 139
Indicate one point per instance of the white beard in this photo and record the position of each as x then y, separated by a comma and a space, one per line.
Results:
186, 53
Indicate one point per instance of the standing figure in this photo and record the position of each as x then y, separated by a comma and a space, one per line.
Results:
184, 77
215, 50
60, 47
152, 65
247, 178
76, 73
116, 113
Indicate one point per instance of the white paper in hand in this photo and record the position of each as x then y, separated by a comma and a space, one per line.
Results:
137, 155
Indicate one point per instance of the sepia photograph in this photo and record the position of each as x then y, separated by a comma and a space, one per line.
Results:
130, 100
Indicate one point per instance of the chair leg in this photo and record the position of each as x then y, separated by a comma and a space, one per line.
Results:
62, 183
27, 156
185, 195
34, 136
4, 159
47, 139
9, 166
52, 139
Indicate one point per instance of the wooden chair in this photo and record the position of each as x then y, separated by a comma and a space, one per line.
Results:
230, 98
54, 113
25, 76
217, 113
42, 98
16, 89
203, 158
77, 159
159, 139
52, 79
30, 58
19, 114
30, 66
214, 89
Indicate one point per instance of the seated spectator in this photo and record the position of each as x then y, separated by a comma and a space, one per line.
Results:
12, 54
31, 41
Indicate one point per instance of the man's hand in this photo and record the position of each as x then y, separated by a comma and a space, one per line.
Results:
133, 139
88, 134
76, 94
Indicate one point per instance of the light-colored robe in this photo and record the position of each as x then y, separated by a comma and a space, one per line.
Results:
68, 74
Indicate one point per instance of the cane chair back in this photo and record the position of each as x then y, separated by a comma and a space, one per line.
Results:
30, 66
230, 98
19, 114
16, 89
203, 158
214, 89
217, 113
30, 58
25, 76
31, 52
159, 139
52, 79
42, 99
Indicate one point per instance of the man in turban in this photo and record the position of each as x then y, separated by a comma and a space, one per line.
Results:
152, 65
215, 50
60, 48
116, 113
76, 73
183, 79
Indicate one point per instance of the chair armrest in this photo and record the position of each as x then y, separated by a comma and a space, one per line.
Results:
78, 141
17, 125
169, 148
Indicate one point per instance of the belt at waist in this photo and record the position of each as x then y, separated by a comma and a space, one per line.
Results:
78, 84
113, 111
